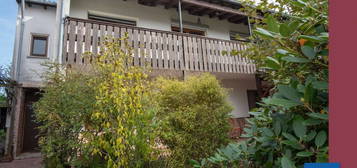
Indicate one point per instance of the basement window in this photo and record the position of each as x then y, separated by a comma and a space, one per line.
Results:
39, 45
111, 19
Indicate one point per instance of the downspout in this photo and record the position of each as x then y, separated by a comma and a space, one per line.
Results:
180, 15
181, 31
249, 26
22, 27
60, 34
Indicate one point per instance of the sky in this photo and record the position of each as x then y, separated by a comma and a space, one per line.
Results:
8, 11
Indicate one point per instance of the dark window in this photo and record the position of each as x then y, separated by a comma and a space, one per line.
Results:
112, 20
252, 98
39, 45
189, 31
238, 36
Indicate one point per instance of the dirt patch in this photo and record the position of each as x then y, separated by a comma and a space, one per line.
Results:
24, 163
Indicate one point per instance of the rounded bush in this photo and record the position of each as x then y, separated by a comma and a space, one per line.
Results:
194, 117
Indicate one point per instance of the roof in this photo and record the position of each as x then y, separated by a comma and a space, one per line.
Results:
45, 3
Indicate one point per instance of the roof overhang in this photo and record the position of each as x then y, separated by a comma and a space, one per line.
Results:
43, 3
221, 9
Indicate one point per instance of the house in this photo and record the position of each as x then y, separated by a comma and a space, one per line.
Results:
176, 37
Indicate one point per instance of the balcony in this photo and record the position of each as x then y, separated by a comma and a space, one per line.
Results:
162, 50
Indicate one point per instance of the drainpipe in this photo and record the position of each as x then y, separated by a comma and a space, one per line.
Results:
180, 15
22, 27
249, 26
181, 31
59, 39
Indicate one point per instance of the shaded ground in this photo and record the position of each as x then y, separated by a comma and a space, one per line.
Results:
24, 163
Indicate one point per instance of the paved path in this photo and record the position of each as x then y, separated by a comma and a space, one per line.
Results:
24, 163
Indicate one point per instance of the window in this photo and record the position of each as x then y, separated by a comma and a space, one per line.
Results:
189, 31
39, 45
238, 36
111, 19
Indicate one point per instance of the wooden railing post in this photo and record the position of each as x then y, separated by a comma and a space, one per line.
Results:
65, 39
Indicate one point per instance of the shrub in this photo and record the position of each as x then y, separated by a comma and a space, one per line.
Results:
109, 115
63, 111
100, 117
123, 113
194, 117
291, 126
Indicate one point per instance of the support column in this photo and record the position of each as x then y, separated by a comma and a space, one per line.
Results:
10, 124
14, 140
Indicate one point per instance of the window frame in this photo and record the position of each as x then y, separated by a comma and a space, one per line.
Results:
42, 37
112, 18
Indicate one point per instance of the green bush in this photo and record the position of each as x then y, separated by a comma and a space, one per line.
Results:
63, 112
122, 118
194, 117
110, 115
290, 128
101, 117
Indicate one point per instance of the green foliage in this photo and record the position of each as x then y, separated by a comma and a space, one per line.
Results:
110, 115
100, 117
63, 112
194, 118
7, 87
122, 117
290, 127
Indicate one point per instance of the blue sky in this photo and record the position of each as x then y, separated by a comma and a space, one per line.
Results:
8, 11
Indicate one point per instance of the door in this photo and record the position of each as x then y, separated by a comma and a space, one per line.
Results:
30, 139
252, 98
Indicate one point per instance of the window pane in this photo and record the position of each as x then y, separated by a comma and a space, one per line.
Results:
39, 46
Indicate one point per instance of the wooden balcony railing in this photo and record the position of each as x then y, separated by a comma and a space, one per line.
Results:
160, 49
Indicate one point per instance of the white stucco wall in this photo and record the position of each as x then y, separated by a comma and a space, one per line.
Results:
152, 17
238, 94
37, 21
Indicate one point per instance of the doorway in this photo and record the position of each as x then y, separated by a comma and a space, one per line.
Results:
30, 131
252, 99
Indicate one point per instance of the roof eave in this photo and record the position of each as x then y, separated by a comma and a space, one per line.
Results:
41, 3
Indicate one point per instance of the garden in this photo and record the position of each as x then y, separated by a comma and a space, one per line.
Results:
111, 114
